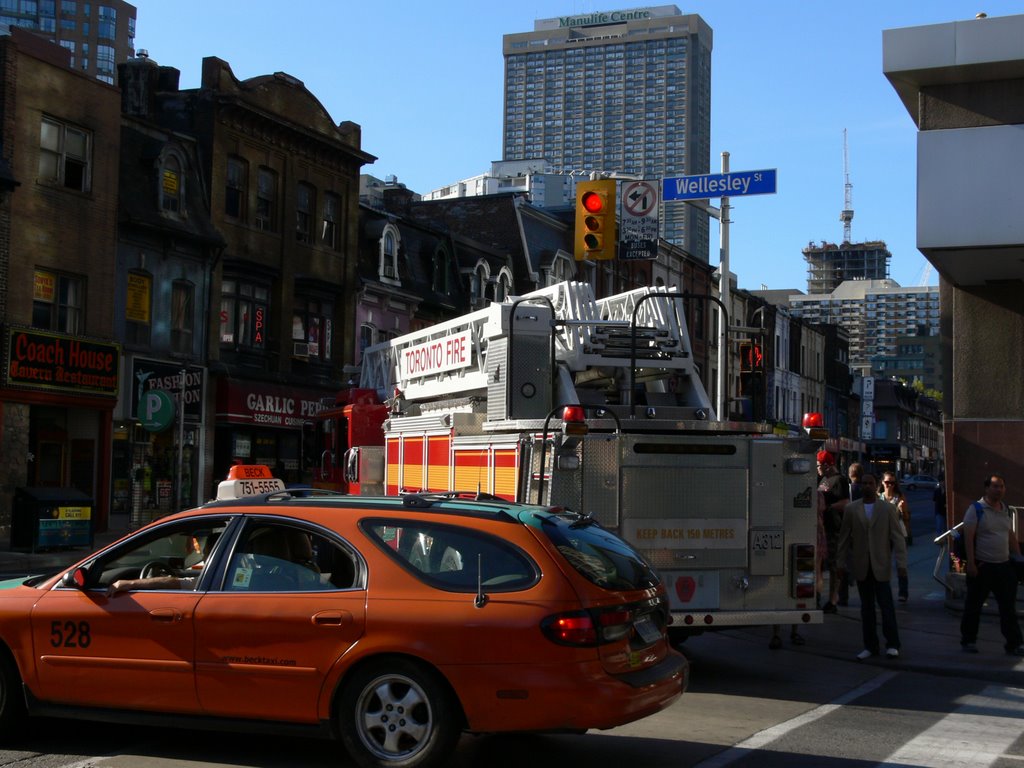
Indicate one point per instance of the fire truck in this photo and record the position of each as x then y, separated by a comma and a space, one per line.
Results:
595, 405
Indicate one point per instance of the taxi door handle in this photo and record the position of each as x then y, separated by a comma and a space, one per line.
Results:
166, 615
332, 618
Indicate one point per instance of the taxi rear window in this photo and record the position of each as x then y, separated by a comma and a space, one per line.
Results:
596, 553
452, 558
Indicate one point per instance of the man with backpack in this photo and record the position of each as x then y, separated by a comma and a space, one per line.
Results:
989, 541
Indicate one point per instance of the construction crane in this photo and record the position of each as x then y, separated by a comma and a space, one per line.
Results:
847, 214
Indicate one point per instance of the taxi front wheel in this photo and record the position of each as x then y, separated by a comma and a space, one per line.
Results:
396, 713
12, 702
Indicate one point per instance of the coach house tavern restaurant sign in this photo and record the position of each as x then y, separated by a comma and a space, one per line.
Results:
54, 362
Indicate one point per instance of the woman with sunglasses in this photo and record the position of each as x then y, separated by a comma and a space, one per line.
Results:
892, 493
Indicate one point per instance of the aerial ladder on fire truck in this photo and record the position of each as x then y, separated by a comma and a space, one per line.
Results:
557, 346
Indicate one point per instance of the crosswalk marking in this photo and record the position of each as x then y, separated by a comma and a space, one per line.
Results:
975, 735
763, 738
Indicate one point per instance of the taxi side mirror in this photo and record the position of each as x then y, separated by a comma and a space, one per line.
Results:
76, 579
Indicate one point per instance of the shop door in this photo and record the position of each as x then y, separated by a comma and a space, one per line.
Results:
49, 465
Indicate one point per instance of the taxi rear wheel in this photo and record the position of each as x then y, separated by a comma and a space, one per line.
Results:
398, 714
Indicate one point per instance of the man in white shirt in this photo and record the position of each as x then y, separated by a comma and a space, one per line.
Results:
990, 540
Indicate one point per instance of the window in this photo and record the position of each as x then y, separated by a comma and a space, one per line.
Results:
68, 7
64, 155
170, 185
305, 206
235, 188
284, 558
367, 332
440, 277
106, 60
58, 302
179, 551
332, 207
138, 308
478, 283
266, 199
503, 285
389, 243
244, 311
182, 316
454, 559
312, 330
108, 22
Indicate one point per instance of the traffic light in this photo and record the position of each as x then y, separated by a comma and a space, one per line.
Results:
751, 357
595, 220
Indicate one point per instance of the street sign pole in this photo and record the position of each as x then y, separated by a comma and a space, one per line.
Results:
723, 288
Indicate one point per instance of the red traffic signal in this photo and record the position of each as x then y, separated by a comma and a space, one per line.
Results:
595, 220
592, 202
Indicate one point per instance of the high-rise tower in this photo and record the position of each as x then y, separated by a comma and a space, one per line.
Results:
98, 35
625, 91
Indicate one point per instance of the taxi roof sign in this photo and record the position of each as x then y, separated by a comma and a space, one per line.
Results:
249, 472
248, 480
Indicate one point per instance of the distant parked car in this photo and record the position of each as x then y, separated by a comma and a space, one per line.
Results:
913, 482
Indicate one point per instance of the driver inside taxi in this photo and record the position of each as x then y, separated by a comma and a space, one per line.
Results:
167, 580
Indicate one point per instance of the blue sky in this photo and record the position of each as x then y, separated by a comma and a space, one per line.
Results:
424, 80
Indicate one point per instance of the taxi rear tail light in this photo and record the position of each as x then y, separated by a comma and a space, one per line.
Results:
589, 628
574, 628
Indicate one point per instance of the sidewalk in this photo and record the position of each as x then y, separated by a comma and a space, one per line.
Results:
929, 631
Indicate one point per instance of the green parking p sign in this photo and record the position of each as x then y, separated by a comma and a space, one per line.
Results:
156, 410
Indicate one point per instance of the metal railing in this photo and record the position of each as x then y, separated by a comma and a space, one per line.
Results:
946, 541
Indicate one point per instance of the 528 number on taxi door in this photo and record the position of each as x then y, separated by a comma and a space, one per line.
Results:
68, 634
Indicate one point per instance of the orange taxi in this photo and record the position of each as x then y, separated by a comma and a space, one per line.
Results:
394, 624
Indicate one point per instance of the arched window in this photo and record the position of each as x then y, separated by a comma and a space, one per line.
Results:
367, 336
478, 283
172, 184
390, 242
440, 277
503, 285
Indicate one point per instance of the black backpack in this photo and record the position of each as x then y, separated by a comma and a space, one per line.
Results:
959, 546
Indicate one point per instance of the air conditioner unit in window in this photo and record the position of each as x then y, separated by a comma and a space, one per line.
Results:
300, 349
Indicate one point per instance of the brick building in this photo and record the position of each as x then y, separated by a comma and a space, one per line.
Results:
61, 363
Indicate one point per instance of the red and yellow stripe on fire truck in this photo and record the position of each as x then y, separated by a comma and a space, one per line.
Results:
439, 463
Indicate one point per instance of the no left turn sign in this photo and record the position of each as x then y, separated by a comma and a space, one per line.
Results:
639, 198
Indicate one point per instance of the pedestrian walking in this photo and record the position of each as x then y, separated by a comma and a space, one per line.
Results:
893, 493
990, 540
870, 535
833, 496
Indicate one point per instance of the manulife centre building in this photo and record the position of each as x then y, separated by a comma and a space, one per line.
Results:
625, 91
